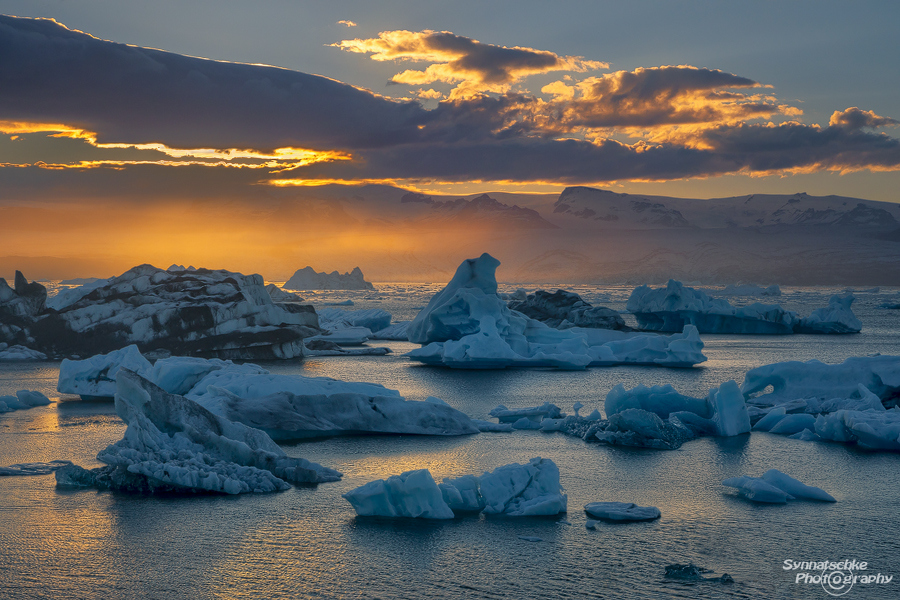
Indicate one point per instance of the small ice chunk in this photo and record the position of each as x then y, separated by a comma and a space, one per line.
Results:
791, 424
771, 418
621, 511
757, 490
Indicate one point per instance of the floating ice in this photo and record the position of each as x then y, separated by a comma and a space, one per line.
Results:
95, 377
532, 413
791, 424
621, 511
523, 490
308, 279
562, 310
872, 430
462, 494
642, 429
673, 307
279, 295
729, 411
774, 487
467, 325
659, 399
412, 494
836, 318
173, 444
18, 352
815, 380
373, 319
37, 468
397, 331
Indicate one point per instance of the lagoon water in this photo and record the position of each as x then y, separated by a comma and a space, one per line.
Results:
308, 543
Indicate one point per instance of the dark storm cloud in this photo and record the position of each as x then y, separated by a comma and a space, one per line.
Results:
137, 95
695, 119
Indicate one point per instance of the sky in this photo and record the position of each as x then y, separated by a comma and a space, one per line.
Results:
158, 107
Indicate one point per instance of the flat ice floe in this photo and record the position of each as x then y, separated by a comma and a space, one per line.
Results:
514, 490
173, 444
467, 325
621, 511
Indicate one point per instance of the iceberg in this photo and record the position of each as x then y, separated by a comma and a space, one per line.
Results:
774, 487
673, 307
871, 430
19, 353
198, 312
412, 494
563, 309
172, 444
523, 490
661, 400
621, 511
22, 400
466, 325
374, 319
818, 383
641, 429
308, 279
396, 331
95, 377
532, 413
835, 318
279, 295
514, 490
729, 410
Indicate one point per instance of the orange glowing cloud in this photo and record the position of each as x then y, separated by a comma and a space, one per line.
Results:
475, 66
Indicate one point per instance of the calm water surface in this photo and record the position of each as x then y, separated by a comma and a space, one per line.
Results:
308, 543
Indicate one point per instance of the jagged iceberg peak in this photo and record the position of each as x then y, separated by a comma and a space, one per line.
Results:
472, 274
308, 278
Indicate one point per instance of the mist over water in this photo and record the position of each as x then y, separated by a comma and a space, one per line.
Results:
308, 543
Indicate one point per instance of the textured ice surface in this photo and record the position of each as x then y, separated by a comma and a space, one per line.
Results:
837, 317
412, 494
621, 511
522, 490
308, 279
174, 444
659, 399
774, 487
872, 430
23, 399
95, 377
39, 468
18, 352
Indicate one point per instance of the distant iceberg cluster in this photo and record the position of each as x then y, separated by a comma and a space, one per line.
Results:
308, 279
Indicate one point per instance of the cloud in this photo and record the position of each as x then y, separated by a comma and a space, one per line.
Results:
347, 23
132, 106
476, 66
127, 94
854, 118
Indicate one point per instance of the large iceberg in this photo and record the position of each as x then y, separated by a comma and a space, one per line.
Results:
19, 353
308, 279
563, 309
514, 490
467, 325
200, 312
673, 307
816, 382
173, 444
287, 407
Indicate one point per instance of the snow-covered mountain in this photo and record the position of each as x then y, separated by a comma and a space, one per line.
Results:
603, 209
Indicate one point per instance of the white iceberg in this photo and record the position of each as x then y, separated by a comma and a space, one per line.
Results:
173, 444
514, 490
621, 511
466, 325
22, 400
673, 307
412, 494
308, 279
872, 430
523, 490
373, 319
279, 295
837, 317
95, 377
774, 487
729, 411
815, 380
